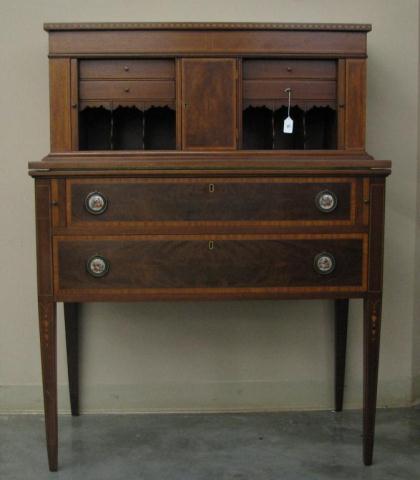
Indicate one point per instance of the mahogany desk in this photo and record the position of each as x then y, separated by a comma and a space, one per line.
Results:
173, 175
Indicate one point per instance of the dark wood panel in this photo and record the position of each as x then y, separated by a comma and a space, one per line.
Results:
208, 42
290, 68
176, 262
60, 108
44, 236
127, 68
124, 89
355, 104
211, 199
301, 89
209, 103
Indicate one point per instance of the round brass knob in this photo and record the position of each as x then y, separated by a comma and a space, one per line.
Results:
326, 201
96, 203
97, 266
324, 263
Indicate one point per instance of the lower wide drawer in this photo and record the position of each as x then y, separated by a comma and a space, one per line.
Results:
191, 263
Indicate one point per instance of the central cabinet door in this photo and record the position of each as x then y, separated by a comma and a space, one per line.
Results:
209, 97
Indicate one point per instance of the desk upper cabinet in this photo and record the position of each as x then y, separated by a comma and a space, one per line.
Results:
172, 175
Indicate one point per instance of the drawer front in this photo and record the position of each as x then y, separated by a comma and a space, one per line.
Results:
127, 89
300, 90
127, 69
276, 201
273, 69
199, 263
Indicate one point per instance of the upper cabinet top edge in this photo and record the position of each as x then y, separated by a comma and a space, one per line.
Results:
342, 27
197, 42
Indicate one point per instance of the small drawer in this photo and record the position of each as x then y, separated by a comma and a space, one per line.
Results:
127, 69
127, 89
274, 69
199, 263
323, 90
212, 200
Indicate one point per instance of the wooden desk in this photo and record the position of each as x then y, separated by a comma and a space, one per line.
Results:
170, 177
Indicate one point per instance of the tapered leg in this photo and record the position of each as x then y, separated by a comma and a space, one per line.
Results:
72, 342
372, 328
48, 337
341, 320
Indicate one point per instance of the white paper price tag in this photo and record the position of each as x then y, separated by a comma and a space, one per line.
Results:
288, 125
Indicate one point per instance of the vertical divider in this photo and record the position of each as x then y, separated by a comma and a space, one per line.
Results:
356, 100
74, 100
239, 91
111, 128
60, 108
341, 104
178, 102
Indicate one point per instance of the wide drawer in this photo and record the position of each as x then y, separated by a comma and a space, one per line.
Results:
272, 263
209, 200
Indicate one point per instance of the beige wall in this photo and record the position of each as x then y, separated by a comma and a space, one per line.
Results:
208, 356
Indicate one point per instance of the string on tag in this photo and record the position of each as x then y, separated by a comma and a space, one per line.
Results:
288, 123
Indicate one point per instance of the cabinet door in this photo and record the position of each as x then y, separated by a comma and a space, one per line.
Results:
209, 96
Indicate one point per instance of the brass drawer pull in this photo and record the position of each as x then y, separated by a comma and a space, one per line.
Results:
211, 245
97, 266
211, 187
96, 203
326, 201
324, 263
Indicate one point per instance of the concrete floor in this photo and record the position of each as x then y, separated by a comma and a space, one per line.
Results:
286, 446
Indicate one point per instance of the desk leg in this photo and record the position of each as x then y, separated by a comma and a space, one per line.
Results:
48, 337
372, 329
71, 320
341, 321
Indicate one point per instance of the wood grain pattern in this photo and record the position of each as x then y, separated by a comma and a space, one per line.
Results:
208, 95
60, 108
234, 201
48, 338
356, 104
372, 315
175, 264
321, 44
43, 236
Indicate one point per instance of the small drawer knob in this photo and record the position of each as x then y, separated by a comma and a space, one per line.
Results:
97, 266
126, 68
126, 90
324, 263
96, 203
326, 201
289, 69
